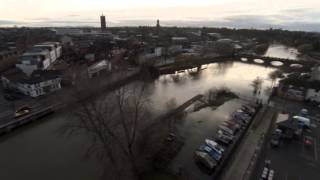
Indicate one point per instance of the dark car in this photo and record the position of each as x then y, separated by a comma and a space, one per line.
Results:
308, 141
22, 111
276, 138
275, 141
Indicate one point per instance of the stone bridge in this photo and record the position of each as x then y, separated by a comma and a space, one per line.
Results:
281, 63
276, 62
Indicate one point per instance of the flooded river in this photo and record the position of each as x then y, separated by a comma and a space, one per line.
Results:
39, 152
281, 51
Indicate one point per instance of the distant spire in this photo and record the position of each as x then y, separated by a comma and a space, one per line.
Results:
158, 23
103, 23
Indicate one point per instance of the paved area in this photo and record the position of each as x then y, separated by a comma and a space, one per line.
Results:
246, 150
292, 160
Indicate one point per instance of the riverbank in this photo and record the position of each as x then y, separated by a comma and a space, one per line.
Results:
65, 98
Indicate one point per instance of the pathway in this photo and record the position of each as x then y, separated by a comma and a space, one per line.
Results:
243, 156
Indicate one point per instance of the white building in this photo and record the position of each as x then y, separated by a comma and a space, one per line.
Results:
38, 84
54, 48
98, 68
39, 57
57, 48
158, 51
34, 60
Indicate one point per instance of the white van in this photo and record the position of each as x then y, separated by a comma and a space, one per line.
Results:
302, 120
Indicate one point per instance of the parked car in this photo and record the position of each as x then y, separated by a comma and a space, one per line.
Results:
205, 160
22, 111
304, 113
248, 109
224, 138
213, 154
215, 146
275, 141
305, 122
232, 125
226, 130
242, 116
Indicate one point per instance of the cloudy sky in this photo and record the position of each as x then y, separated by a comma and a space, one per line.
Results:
287, 14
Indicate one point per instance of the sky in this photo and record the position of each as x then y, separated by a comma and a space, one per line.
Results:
286, 14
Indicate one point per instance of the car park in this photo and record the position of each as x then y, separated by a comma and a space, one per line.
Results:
223, 143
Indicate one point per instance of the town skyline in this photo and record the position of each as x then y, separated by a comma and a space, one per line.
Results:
293, 15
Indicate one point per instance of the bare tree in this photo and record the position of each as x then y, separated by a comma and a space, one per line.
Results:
121, 130
274, 75
257, 85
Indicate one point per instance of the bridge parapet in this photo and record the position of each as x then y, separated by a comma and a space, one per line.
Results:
268, 60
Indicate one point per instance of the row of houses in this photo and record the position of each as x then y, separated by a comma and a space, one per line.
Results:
32, 75
39, 83
302, 88
39, 57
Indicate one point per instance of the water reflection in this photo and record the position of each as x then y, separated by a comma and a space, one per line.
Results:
222, 68
235, 76
282, 51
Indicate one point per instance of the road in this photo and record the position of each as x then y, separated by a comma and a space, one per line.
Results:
292, 160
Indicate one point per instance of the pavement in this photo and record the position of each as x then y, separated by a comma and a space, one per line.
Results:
245, 152
292, 160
